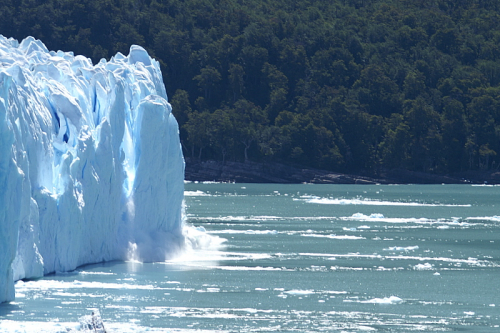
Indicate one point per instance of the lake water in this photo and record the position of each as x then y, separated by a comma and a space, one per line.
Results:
297, 258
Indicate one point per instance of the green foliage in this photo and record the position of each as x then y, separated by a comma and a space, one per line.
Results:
342, 85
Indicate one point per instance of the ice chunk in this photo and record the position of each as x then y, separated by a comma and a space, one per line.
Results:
91, 167
402, 248
92, 323
300, 292
423, 267
385, 300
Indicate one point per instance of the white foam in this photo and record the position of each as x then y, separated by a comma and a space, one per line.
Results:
246, 268
298, 292
10, 326
340, 237
342, 268
244, 232
385, 300
377, 217
251, 218
469, 261
401, 248
494, 218
79, 295
76, 284
196, 193
237, 218
372, 202
95, 273
197, 239
261, 232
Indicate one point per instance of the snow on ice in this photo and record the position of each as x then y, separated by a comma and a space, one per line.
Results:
91, 167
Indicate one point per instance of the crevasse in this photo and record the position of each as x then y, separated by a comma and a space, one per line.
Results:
91, 167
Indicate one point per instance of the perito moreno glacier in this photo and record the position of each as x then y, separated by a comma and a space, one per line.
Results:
91, 167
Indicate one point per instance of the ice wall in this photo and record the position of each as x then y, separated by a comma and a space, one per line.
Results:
91, 167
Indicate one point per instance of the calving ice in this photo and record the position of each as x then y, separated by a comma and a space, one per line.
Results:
91, 167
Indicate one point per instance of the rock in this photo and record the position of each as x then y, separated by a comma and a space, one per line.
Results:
252, 172
270, 172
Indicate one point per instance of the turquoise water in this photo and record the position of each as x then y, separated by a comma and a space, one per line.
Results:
297, 258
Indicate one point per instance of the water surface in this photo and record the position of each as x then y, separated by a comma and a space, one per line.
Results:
297, 258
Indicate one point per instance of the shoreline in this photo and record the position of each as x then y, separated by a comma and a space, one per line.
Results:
253, 172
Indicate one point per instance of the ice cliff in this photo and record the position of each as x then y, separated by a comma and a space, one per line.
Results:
91, 167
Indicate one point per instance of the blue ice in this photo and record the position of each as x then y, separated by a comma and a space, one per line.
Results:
91, 167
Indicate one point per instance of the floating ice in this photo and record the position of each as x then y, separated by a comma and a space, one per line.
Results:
423, 267
401, 248
349, 237
371, 202
299, 292
385, 300
494, 218
91, 167
77, 284
92, 323
360, 216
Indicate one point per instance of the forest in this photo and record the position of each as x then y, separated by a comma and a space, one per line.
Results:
341, 85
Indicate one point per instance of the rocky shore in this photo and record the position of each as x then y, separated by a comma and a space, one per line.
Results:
252, 172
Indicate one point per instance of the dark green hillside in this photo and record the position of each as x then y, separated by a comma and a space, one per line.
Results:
343, 85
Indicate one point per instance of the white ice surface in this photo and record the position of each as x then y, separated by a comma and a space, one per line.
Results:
370, 202
91, 167
385, 300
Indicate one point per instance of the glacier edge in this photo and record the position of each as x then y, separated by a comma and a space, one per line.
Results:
91, 166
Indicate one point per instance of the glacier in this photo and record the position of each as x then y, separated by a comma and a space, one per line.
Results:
91, 166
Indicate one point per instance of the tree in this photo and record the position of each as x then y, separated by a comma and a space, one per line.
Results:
423, 122
454, 129
377, 91
207, 80
409, 84
278, 90
236, 80
414, 85
199, 131
249, 121
222, 131
395, 146
181, 106
484, 156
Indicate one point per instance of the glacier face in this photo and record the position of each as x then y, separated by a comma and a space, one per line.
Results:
91, 167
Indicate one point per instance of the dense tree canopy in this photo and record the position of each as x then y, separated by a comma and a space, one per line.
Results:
345, 85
